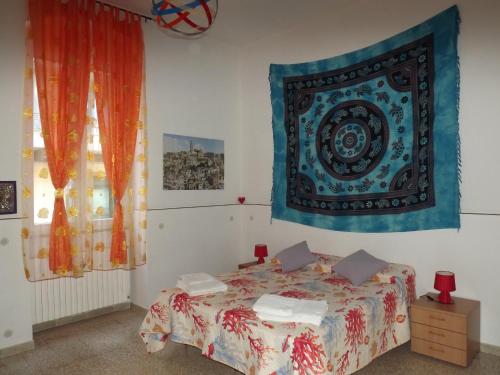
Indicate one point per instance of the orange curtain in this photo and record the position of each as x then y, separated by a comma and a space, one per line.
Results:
118, 64
61, 47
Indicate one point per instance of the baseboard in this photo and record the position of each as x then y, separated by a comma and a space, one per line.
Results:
82, 316
490, 349
17, 349
137, 307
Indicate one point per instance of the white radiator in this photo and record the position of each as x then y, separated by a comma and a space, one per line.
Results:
60, 298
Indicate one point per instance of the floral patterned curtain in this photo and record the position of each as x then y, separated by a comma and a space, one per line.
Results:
61, 46
118, 66
86, 197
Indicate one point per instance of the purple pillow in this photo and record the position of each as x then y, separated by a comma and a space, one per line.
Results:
295, 257
359, 267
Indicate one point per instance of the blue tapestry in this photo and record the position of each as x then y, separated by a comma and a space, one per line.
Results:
368, 141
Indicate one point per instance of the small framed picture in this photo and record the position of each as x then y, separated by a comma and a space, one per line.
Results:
8, 201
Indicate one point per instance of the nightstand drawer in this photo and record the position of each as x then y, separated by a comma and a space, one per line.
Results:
439, 319
440, 336
443, 352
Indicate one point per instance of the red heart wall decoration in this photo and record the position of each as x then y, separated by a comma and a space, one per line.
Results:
241, 200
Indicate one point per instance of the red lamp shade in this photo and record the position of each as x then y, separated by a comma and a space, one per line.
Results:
260, 252
445, 283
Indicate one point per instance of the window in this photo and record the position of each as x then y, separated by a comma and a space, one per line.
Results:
96, 182
50, 248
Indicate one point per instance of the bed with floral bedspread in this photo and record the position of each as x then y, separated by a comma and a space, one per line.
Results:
362, 322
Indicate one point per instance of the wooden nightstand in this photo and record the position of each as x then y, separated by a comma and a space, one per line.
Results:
446, 332
246, 265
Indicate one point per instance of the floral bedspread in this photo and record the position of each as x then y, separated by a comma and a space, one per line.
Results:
361, 324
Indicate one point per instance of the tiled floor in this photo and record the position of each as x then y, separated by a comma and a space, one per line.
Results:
110, 345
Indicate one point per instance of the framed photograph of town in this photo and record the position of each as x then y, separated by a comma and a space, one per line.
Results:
191, 163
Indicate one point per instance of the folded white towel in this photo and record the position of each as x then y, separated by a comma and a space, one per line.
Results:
193, 278
311, 307
295, 318
273, 304
198, 289
284, 309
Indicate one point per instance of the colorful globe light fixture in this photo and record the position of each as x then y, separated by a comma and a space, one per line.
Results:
188, 18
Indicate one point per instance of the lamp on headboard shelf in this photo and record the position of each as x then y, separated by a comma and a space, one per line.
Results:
445, 283
260, 252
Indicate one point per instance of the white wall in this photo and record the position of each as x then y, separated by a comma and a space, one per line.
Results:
207, 88
192, 88
473, 252
15, 309
15, 318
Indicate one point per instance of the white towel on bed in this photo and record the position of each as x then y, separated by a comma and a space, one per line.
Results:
195, 278
311, 307
302, 310
201, 288
296, 318
273, 304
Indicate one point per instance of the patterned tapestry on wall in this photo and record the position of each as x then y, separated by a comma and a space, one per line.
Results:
368, 141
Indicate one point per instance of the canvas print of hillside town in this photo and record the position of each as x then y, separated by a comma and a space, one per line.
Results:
191, 163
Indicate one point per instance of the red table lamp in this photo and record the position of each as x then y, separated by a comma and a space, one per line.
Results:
445, 283
260, 252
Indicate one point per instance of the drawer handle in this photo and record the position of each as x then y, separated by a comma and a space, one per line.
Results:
437, 318
436, 349
436, 334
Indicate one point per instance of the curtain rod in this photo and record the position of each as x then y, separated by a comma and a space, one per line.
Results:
146, 18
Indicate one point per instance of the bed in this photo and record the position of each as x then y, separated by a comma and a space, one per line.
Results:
362, 322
